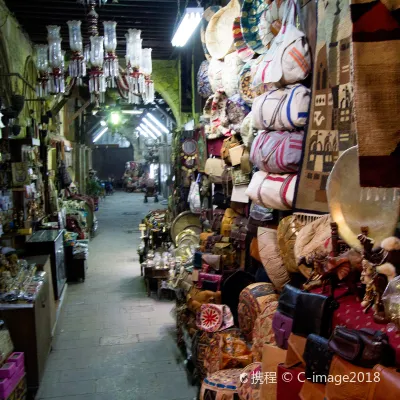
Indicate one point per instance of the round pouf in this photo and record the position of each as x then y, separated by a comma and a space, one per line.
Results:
252, 301
221, 385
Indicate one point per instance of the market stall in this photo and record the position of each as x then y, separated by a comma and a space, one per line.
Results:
285, 270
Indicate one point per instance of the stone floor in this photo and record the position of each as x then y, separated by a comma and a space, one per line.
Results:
112, 341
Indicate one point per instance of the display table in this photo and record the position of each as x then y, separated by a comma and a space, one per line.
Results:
30, 329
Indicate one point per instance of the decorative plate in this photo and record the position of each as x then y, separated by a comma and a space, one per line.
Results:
208, 14
252, 10
243, 51
183, 221
219, 36
203, 82
189, 147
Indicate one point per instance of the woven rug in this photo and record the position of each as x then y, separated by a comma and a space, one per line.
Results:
376, 65
331, 127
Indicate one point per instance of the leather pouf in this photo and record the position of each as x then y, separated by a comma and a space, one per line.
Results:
221, 385
249, 389
252, 302
263, 332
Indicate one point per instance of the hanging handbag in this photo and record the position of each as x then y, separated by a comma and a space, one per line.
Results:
282, 109
218, 214
230, 73
240, 178
318, 358
272, 190
229, 143
220, 200
313, 314
236, 153
364, 347
259, 217
194, 196
214, 147
214, 168
236, 111
277, 152
288, 59
227, 221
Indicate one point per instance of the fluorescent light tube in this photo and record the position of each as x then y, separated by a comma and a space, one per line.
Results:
132, 112
141, 131
158, 123
100, 134
148, 131
187, 26
152, 127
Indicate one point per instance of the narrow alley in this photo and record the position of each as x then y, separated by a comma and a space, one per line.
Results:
112, 341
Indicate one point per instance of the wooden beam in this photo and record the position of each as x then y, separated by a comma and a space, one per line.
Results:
79, 112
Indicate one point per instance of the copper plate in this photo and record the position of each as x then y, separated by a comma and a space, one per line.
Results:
352, 207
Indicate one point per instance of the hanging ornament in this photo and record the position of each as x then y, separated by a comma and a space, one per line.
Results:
56, 61
111, 65
77, 64
42, 65
97, 80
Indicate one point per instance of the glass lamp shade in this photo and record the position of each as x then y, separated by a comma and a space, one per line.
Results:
134, 47
110, 36
75, 36
42, 57
146, 67
55, 54
53, 32
97, 51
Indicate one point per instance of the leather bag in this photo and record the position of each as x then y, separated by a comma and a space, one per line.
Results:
217, 219
318, 357
282, 327
212, 260
277, 152
259, 217
211, 278
288, 300
214, 147
272, 190
364, 347
313, 314
229, 143
350, 389
214, 168
282, 109
387, 387
227, 221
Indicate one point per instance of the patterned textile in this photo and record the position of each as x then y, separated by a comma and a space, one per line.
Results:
200, 343
225, 350
221, 385
214, 317
376, 69
249, 388
263, 332
331, 128
203, 83
252, 301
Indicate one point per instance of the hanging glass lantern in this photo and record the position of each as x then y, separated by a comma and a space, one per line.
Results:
77, 65
147, 69
136, 79
42, 65
56, 81
111, 65
97, 81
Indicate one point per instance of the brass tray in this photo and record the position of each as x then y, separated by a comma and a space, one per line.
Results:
353, 207
184, 221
